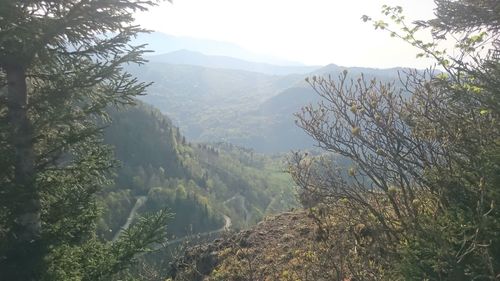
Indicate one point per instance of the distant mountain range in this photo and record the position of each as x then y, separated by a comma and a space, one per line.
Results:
199, 59
161, 43
221, 97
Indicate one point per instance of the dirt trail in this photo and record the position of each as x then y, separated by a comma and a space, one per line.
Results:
140, 201
241, 198
226, 227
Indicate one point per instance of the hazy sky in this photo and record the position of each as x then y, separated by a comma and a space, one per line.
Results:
312, 31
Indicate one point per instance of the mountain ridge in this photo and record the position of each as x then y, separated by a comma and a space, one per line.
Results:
188, 57
247, 108
159, 43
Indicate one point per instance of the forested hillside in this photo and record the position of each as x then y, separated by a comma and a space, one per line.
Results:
199, 183
212, 163
250, 109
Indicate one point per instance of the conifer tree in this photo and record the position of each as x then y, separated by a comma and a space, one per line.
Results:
61, 66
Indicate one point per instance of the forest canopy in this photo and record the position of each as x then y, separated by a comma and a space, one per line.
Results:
61, 66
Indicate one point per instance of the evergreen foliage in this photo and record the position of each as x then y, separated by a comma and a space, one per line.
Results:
61, 65
193, 180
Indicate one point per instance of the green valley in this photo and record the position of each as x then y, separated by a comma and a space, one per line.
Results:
198, 182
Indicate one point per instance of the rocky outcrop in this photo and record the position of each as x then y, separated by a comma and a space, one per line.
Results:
267, 249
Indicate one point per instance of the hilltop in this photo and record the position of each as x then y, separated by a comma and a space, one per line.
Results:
274, 249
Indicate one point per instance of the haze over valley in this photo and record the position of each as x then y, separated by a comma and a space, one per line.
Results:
219, 98
237, 140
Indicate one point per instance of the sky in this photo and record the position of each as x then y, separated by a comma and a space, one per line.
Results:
314, 32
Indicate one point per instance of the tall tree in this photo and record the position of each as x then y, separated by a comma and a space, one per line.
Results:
61, 65
466, 15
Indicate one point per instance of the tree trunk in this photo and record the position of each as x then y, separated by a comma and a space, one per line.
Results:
28, 216
25, 209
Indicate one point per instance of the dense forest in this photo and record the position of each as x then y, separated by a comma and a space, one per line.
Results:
111, 164
196, 181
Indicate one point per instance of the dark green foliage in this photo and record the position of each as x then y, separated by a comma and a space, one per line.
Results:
116, 206
193, 212
193, 181
94, 260
466, 15
147, 146
60, 68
